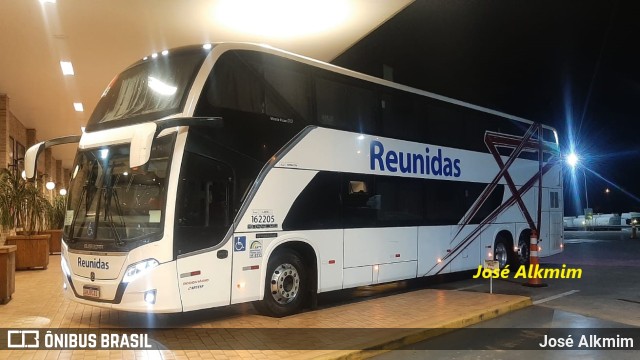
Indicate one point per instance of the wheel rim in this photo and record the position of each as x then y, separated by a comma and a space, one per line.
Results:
285, 284
523, 255
500, 254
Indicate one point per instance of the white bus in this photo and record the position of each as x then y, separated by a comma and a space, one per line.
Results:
231, 173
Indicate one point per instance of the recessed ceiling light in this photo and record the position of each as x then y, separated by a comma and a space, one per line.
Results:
154, 55
165, 52
282, 19
78, 107
67, 67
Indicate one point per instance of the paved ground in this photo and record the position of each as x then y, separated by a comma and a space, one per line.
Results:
607, 295
241, 333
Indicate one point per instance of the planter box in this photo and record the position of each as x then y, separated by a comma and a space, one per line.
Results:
7, 273
32, 251
55, 241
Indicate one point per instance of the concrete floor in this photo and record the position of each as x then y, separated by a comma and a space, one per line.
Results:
237, 332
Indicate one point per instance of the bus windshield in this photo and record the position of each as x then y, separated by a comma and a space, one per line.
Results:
151, 89
111, 205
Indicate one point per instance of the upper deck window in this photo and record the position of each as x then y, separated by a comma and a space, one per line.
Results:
150, 89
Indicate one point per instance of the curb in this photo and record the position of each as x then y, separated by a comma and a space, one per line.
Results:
418, 333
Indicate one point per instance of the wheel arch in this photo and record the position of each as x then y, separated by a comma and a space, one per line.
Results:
525, 234
309, 257
506, 235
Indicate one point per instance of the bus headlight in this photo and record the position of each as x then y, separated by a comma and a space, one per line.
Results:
139, 268
65, 266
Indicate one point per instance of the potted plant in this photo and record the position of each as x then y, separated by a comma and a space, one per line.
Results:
22, 210
55, 222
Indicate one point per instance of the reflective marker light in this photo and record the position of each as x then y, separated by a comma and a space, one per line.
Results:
136, 270
150, 296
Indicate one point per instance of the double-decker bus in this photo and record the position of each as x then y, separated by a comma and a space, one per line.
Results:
232, 173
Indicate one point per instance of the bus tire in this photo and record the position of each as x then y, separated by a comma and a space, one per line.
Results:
503, 252
524, 244
285, 285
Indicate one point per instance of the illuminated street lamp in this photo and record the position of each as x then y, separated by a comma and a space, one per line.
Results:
573, 160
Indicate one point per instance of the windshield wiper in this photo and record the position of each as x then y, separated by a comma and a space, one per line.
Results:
72, 237
109, 194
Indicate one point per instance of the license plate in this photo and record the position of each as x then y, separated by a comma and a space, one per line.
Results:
91, 291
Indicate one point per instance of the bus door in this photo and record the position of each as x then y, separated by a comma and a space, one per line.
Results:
201, 244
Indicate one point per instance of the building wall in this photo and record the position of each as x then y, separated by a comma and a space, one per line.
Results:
15, 139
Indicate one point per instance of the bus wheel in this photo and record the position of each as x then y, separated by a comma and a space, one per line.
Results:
502, 253
285, 285
524, 246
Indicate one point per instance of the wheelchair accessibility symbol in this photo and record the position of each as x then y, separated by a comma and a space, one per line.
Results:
240, 243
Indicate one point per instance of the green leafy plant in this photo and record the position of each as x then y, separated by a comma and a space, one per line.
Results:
56, 214
22, 205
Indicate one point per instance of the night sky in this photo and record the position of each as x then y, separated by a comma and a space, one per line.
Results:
574, 65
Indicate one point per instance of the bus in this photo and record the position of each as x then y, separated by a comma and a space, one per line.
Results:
226, 173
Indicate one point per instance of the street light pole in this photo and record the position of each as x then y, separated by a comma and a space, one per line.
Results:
586, 194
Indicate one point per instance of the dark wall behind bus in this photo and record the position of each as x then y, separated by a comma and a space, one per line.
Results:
568, 64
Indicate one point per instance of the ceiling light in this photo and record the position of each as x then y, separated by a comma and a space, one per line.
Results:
63, 192
206, 46
48, 1
165, 52
154, 55
67, 67
78, 107
282, 18
145, 58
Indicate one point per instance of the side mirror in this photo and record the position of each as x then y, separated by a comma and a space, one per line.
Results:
31, 156
141, 143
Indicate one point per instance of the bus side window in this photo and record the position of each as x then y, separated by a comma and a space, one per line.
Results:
360, 205
203, 206
403, 203
317, 206
236, 84
346, 107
